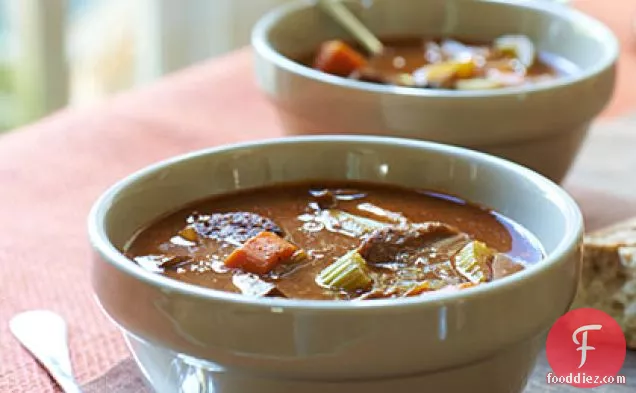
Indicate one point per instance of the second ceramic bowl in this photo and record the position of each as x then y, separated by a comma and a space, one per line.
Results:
541, 127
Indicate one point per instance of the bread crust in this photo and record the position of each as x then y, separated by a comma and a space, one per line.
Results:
608, 279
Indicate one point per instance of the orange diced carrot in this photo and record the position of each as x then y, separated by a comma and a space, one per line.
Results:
337, 58
261, 253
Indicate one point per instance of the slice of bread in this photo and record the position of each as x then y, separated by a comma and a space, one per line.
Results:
608, 279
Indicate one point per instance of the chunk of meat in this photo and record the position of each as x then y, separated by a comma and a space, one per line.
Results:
337, 58
503, 266
261, 254
234, 227
404, 244
325, 199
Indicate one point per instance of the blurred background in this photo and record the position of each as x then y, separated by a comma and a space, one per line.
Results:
55, 53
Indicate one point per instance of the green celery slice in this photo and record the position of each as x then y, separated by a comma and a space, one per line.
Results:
348, 273
473, 262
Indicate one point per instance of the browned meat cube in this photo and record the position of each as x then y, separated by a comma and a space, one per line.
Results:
404, 244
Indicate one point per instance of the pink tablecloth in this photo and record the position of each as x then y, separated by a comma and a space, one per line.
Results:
52, 171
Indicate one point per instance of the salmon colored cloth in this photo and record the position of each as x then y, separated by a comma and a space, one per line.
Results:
619, 15
52, 171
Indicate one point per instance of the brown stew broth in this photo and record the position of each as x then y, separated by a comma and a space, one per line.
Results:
285, 203
406, 55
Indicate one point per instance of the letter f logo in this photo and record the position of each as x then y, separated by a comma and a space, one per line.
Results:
584, 347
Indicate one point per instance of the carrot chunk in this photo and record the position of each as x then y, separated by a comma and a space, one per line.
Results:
337, 58
261, 253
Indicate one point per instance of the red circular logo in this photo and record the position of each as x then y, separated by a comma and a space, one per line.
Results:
585, 348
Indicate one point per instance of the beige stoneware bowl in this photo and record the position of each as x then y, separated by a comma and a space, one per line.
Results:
483, 339
542, 127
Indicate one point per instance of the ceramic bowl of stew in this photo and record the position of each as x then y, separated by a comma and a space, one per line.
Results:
518, 79
335, 263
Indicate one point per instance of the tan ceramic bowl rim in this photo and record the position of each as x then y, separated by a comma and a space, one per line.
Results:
601, 32
573, 229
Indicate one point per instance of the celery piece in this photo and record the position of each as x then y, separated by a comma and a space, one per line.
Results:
473, 262
348, 273
518, 46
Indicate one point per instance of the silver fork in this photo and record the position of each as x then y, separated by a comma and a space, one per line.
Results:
45, 335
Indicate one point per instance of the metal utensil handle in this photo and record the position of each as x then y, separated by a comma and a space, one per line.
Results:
65, 381
44, 334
